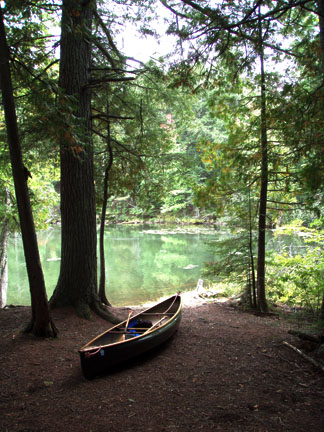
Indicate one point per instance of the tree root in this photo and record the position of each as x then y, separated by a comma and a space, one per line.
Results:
83, 309
103, 311
44, 330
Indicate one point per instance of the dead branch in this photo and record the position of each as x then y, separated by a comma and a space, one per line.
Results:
305, 356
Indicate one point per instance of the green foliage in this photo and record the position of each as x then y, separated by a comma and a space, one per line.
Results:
185, 136
297, 280
34, 75
232, 259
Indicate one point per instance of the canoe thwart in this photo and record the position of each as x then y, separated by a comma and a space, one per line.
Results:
131, 337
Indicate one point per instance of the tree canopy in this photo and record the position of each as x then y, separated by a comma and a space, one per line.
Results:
227, 126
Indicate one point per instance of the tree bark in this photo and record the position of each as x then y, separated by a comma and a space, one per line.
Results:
252, 272
102, 281
4, 257
320, 8
77, 284
262, 303
41, 323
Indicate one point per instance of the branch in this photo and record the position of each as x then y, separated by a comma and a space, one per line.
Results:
126, 149
103, 116
281, 209
104, 51
36, 77
230, 27
208, 11
301, 353
178, 14
105, 79
107, 33
285, 203
45, 6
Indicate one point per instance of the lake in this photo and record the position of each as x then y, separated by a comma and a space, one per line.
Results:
143, 263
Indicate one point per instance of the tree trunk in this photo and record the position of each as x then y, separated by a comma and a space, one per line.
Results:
4, 257
320, 7
252, 272
41, 323
102, 282
262, 303
77, 283
321, 317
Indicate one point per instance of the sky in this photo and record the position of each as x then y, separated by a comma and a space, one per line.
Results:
132, 44
143, 48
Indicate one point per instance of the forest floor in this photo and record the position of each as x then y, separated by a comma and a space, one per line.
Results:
224, 370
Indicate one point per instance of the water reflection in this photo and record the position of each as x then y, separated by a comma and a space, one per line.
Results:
141, 264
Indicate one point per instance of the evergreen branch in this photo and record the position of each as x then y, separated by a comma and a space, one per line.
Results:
285, 203
36, 77
135, 60
247, 20
103, 116
283, 209
276, 190
107, 79
108, 35
230, 27
178, 14
283, 172
45, 6
117, 70
104, 51
125, 148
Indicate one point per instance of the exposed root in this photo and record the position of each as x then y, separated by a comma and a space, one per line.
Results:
83, 309
41, 329
104, 312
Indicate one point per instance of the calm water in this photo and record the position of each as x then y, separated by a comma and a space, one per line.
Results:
142, 264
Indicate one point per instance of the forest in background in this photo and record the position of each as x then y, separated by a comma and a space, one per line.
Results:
225, 129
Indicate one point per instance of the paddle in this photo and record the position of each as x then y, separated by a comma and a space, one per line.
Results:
127, 322
154, 325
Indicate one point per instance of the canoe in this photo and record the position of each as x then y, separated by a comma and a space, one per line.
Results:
132, 337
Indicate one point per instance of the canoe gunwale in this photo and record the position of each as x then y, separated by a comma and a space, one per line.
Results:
88, 347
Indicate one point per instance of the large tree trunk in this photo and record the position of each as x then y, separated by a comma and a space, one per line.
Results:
77, 283
41, 323
262, 303
320, 6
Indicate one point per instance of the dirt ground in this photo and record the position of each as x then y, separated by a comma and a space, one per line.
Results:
224, 370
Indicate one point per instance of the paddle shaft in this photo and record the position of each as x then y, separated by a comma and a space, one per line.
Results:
127, 322
154, 325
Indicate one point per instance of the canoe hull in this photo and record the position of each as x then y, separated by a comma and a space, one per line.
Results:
104, 358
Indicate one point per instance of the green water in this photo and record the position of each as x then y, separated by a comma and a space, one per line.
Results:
142, 264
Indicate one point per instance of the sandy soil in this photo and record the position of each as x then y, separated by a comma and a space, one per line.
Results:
224, 370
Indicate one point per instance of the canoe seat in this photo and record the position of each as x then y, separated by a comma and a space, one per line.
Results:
136, 327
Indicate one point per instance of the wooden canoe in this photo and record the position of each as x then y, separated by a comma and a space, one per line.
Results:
132, 337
